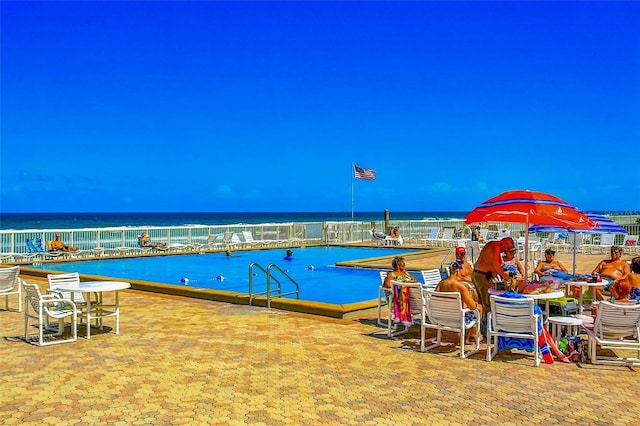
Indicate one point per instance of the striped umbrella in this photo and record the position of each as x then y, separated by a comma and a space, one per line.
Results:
604, 225
530, 208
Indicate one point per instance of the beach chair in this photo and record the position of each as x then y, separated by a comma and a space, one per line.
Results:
10, 284
447, 239
405, 295
432, 238
512, 318
42, 308
616, 328
384, 299
630, 244
430, 278
445, 312
37, 249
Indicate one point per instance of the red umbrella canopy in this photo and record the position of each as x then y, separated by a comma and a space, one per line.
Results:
533, 208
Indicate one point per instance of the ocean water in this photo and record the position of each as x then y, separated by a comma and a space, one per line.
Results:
100, 220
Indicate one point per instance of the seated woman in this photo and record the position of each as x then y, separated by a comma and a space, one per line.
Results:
399, 273
395, 236
511, 265
145, 241
549, 266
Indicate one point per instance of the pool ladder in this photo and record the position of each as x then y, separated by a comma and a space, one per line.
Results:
271, 293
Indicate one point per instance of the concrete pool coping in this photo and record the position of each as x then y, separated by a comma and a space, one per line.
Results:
339, 311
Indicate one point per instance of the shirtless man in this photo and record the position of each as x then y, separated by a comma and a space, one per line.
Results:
454, 282
614, 269
489, 266
467, 269
145, 241
56, 245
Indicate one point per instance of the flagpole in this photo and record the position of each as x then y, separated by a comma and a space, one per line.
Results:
352, 179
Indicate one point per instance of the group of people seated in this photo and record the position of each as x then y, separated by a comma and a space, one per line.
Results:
498, 259
393, 237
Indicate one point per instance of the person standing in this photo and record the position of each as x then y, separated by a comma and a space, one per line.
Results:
489, 266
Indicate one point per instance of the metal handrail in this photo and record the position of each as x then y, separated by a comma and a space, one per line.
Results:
268, 292
280, 293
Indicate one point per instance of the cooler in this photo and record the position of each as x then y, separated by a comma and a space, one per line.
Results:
562, 306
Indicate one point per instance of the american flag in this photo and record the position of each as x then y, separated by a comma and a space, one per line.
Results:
360, 173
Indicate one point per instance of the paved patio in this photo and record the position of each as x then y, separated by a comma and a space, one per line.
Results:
188, 361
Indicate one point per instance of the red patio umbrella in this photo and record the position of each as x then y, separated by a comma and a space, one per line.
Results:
530, 208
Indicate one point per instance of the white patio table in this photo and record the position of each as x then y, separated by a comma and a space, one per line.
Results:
100, 310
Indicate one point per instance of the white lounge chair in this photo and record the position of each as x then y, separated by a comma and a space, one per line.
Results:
10, 283
630, 244
42, 307
445, 312
431, 278
616, 328
512, 318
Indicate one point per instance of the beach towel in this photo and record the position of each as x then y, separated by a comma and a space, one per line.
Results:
401, 308
545, 342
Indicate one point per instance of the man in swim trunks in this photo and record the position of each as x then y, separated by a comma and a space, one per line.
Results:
489, 266
454, 282
614, 269
56, 245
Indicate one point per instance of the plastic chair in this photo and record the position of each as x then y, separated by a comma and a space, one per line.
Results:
10, 284
42, 307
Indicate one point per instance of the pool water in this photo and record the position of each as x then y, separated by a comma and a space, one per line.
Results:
313, 268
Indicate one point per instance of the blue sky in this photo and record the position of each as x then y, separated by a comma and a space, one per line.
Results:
260, 106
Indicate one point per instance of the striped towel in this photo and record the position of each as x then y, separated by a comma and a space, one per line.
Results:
401, 308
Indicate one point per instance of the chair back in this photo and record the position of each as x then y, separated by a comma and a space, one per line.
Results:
513, 315
447, 233
32, 296
630, 241
444, 308
616, 320
433, 233
9, 278
72, 278
607, 239
431, 278
383, 277
248, 236
415, 297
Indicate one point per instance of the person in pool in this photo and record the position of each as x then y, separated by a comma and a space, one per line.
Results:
399, 273
289, 255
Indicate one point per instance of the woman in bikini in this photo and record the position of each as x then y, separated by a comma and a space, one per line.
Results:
549, 265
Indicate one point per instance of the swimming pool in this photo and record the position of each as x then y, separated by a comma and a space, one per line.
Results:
312, 267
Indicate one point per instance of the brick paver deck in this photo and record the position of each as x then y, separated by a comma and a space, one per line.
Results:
188, 361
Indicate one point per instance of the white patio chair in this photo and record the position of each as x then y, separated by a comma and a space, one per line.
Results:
385, 296
512, 318
432, 238
416, 305
616, 328
431, 278
445, 312
10, 283
42, 307
73, 278
630, 244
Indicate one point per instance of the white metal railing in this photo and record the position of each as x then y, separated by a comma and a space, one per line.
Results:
114, 238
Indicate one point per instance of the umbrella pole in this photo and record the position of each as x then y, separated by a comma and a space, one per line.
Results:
575, 248
526, 252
